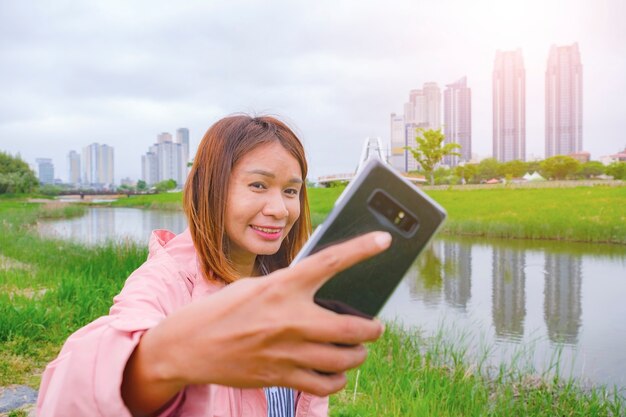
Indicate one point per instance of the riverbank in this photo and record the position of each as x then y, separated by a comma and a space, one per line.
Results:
50, 288
577, 214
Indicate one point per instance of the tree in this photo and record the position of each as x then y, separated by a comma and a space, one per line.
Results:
141, 185
430, 150
165, 185
617, 170
513, 169
591, 169
467, 172
559, 167
487, 169
15, 175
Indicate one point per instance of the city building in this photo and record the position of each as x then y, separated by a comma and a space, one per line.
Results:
610, 159
457, 115
564, 101
432, 106
509, 106
149, 166
73, 163
411, 131
397, 142
45, 170
581, 157
422, 111
167, 159
98, 166
182, 137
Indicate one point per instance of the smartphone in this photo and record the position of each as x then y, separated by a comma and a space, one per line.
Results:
378, 198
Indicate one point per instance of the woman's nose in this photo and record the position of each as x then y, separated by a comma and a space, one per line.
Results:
275, 206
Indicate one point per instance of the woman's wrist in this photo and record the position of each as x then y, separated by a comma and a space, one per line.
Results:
150, 378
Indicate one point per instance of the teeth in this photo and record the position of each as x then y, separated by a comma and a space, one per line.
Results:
266, 230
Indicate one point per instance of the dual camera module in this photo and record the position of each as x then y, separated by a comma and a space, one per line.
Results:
398, 216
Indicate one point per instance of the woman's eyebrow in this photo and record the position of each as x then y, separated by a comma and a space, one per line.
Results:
272, 175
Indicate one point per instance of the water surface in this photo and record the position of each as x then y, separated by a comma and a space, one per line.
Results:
519, 298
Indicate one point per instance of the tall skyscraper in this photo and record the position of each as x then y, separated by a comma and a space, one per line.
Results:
397, 142
457, 114
564, 101
165, 159
169, 157
73, 162
422, 111
411, 131
45, 170
182, 137
432, 106
509, 106
98, 166
150, 166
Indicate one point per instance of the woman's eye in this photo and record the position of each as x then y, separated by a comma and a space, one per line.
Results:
292, 191
257, 186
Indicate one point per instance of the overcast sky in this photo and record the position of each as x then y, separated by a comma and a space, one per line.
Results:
120, 72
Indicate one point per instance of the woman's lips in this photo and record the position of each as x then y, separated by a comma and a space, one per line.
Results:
267, 232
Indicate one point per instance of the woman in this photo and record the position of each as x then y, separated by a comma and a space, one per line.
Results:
189, 335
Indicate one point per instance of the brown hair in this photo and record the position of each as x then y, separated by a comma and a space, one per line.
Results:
206, 191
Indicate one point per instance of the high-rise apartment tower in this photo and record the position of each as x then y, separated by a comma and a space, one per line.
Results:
564, 101
457, 115
98, 166
45, 170
509, 106
73, 162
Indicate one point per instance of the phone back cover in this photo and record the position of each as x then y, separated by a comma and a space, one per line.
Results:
367, 285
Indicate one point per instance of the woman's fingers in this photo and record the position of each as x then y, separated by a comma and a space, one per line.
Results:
315, 383
329, 358
316, 269
329, 327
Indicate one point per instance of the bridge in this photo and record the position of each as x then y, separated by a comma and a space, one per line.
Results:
372, 148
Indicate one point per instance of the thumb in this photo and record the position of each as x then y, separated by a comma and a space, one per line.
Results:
314, 270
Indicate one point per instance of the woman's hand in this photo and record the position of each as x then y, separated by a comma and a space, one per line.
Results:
257, 332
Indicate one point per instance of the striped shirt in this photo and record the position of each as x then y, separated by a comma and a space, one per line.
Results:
280, 402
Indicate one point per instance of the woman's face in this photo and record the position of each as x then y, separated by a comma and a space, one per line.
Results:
263, 202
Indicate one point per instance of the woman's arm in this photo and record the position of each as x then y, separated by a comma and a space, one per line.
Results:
255, 333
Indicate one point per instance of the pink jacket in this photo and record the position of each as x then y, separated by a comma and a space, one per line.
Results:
85, 379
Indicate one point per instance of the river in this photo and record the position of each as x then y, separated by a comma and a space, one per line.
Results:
530, 300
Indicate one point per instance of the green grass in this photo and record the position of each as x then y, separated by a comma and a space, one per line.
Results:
585, 214
49, 288
407, 374
163, 201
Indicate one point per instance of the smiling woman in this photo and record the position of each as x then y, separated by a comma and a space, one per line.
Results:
259, 168
190, 335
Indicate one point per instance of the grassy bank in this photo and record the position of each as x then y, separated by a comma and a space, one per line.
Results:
587, 214
408, 374
584, 214
50, 288
163, 201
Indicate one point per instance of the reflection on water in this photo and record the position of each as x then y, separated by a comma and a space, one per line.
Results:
562, 303
509, 292
545, 296
114, 224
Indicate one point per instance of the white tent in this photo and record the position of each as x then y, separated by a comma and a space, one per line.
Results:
535, 176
